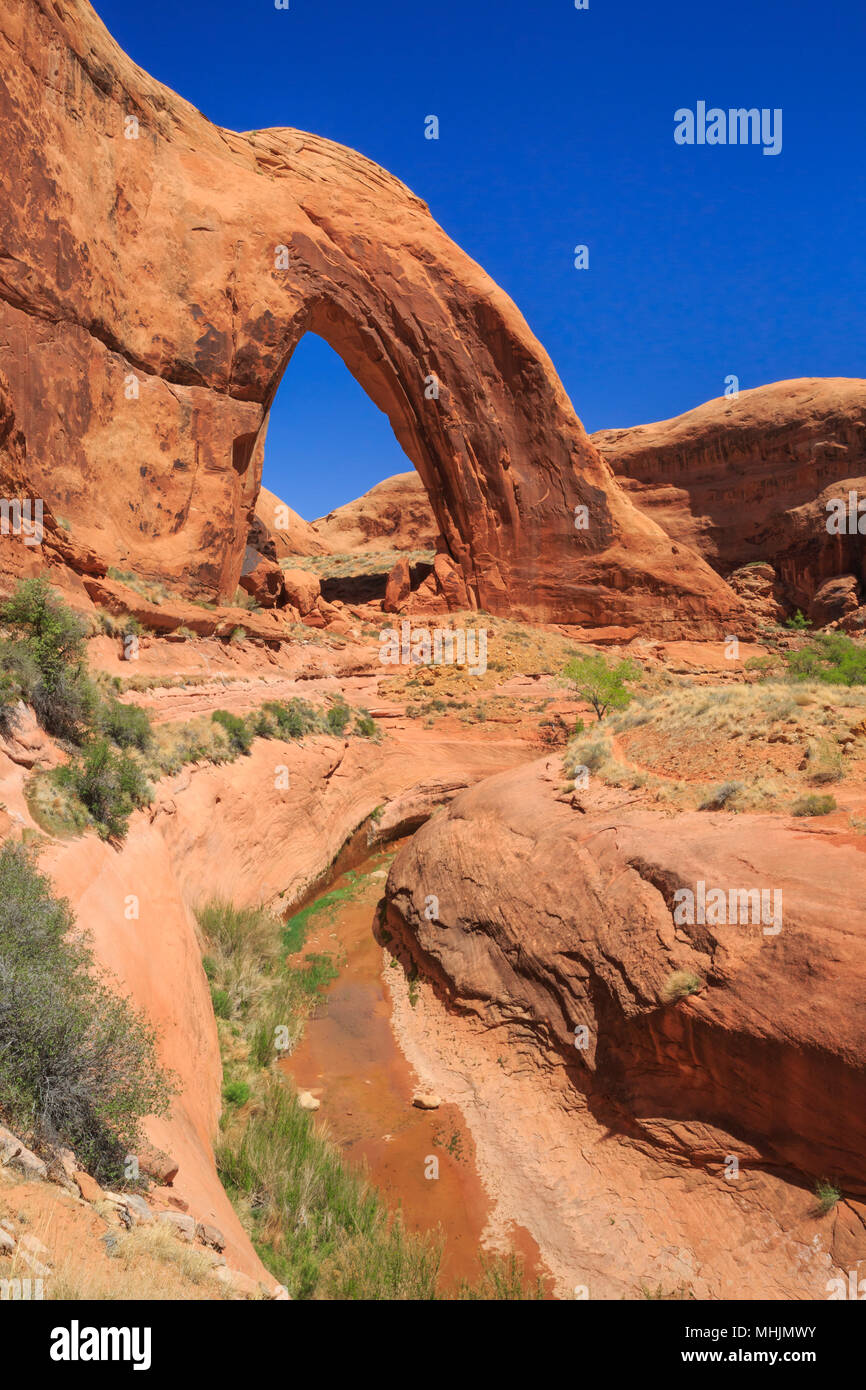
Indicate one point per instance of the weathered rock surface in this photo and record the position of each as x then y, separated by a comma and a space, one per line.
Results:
747, 478
550, 917
157, 274
277, 523
398, 587
394, 515
303, 590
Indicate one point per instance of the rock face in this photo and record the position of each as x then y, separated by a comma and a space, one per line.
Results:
394, 515
288, 534
748, 478
550, 917
157, 275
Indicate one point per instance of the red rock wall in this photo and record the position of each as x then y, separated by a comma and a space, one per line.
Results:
746, 479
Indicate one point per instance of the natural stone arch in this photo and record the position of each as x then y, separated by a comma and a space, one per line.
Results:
156, 258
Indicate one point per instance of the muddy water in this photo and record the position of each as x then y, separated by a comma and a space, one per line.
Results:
350, 1061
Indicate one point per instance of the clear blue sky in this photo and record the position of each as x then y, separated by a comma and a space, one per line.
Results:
556, 128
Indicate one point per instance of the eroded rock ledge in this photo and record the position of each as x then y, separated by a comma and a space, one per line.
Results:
545, 911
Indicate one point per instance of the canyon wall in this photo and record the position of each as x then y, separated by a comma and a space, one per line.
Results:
747, 478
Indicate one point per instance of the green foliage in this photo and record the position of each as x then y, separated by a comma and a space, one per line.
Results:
680, 985
126, 725
798, 623
827, 1194
236, 1093
240, 737
294, 719
830, 657
338, 717
222, 1004
603, 685
365, 725
109, 785
77, 1062
45, 665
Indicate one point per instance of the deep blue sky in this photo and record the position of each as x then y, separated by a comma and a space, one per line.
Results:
556, 128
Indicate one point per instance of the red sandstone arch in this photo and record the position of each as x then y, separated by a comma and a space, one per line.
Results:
156, 258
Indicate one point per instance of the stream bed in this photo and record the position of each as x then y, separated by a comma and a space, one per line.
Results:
350, 1061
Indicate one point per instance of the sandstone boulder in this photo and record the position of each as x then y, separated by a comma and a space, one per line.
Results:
398, 587
450, 583
264, 582
835, 599
303, 590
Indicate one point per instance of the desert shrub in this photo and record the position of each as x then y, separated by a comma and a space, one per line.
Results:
797, 623
240, 737
365, 725
824, 761
603, 685
126, 725
294, 719
337, 718
813, 805
77, 1062
109, 785
236, 1093
717, 800
222, 1004
46, 663
680, 985
830, 657
827, 1195
238, 634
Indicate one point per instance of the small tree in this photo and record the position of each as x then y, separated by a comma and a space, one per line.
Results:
600, 683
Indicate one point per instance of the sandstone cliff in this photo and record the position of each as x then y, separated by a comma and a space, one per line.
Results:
747, 478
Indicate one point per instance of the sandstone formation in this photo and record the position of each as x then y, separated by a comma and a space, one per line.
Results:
747, 479
157, 274
394, 515
554, 912
276, 525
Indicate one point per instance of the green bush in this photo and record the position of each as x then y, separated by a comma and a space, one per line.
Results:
126, 725
830, 657
798, 623
222, 1005
110, 785
827, 1194
236, 1093
240, 737
294, 719
365, 725
46, 665
600, 683
77, 1062
337, 718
